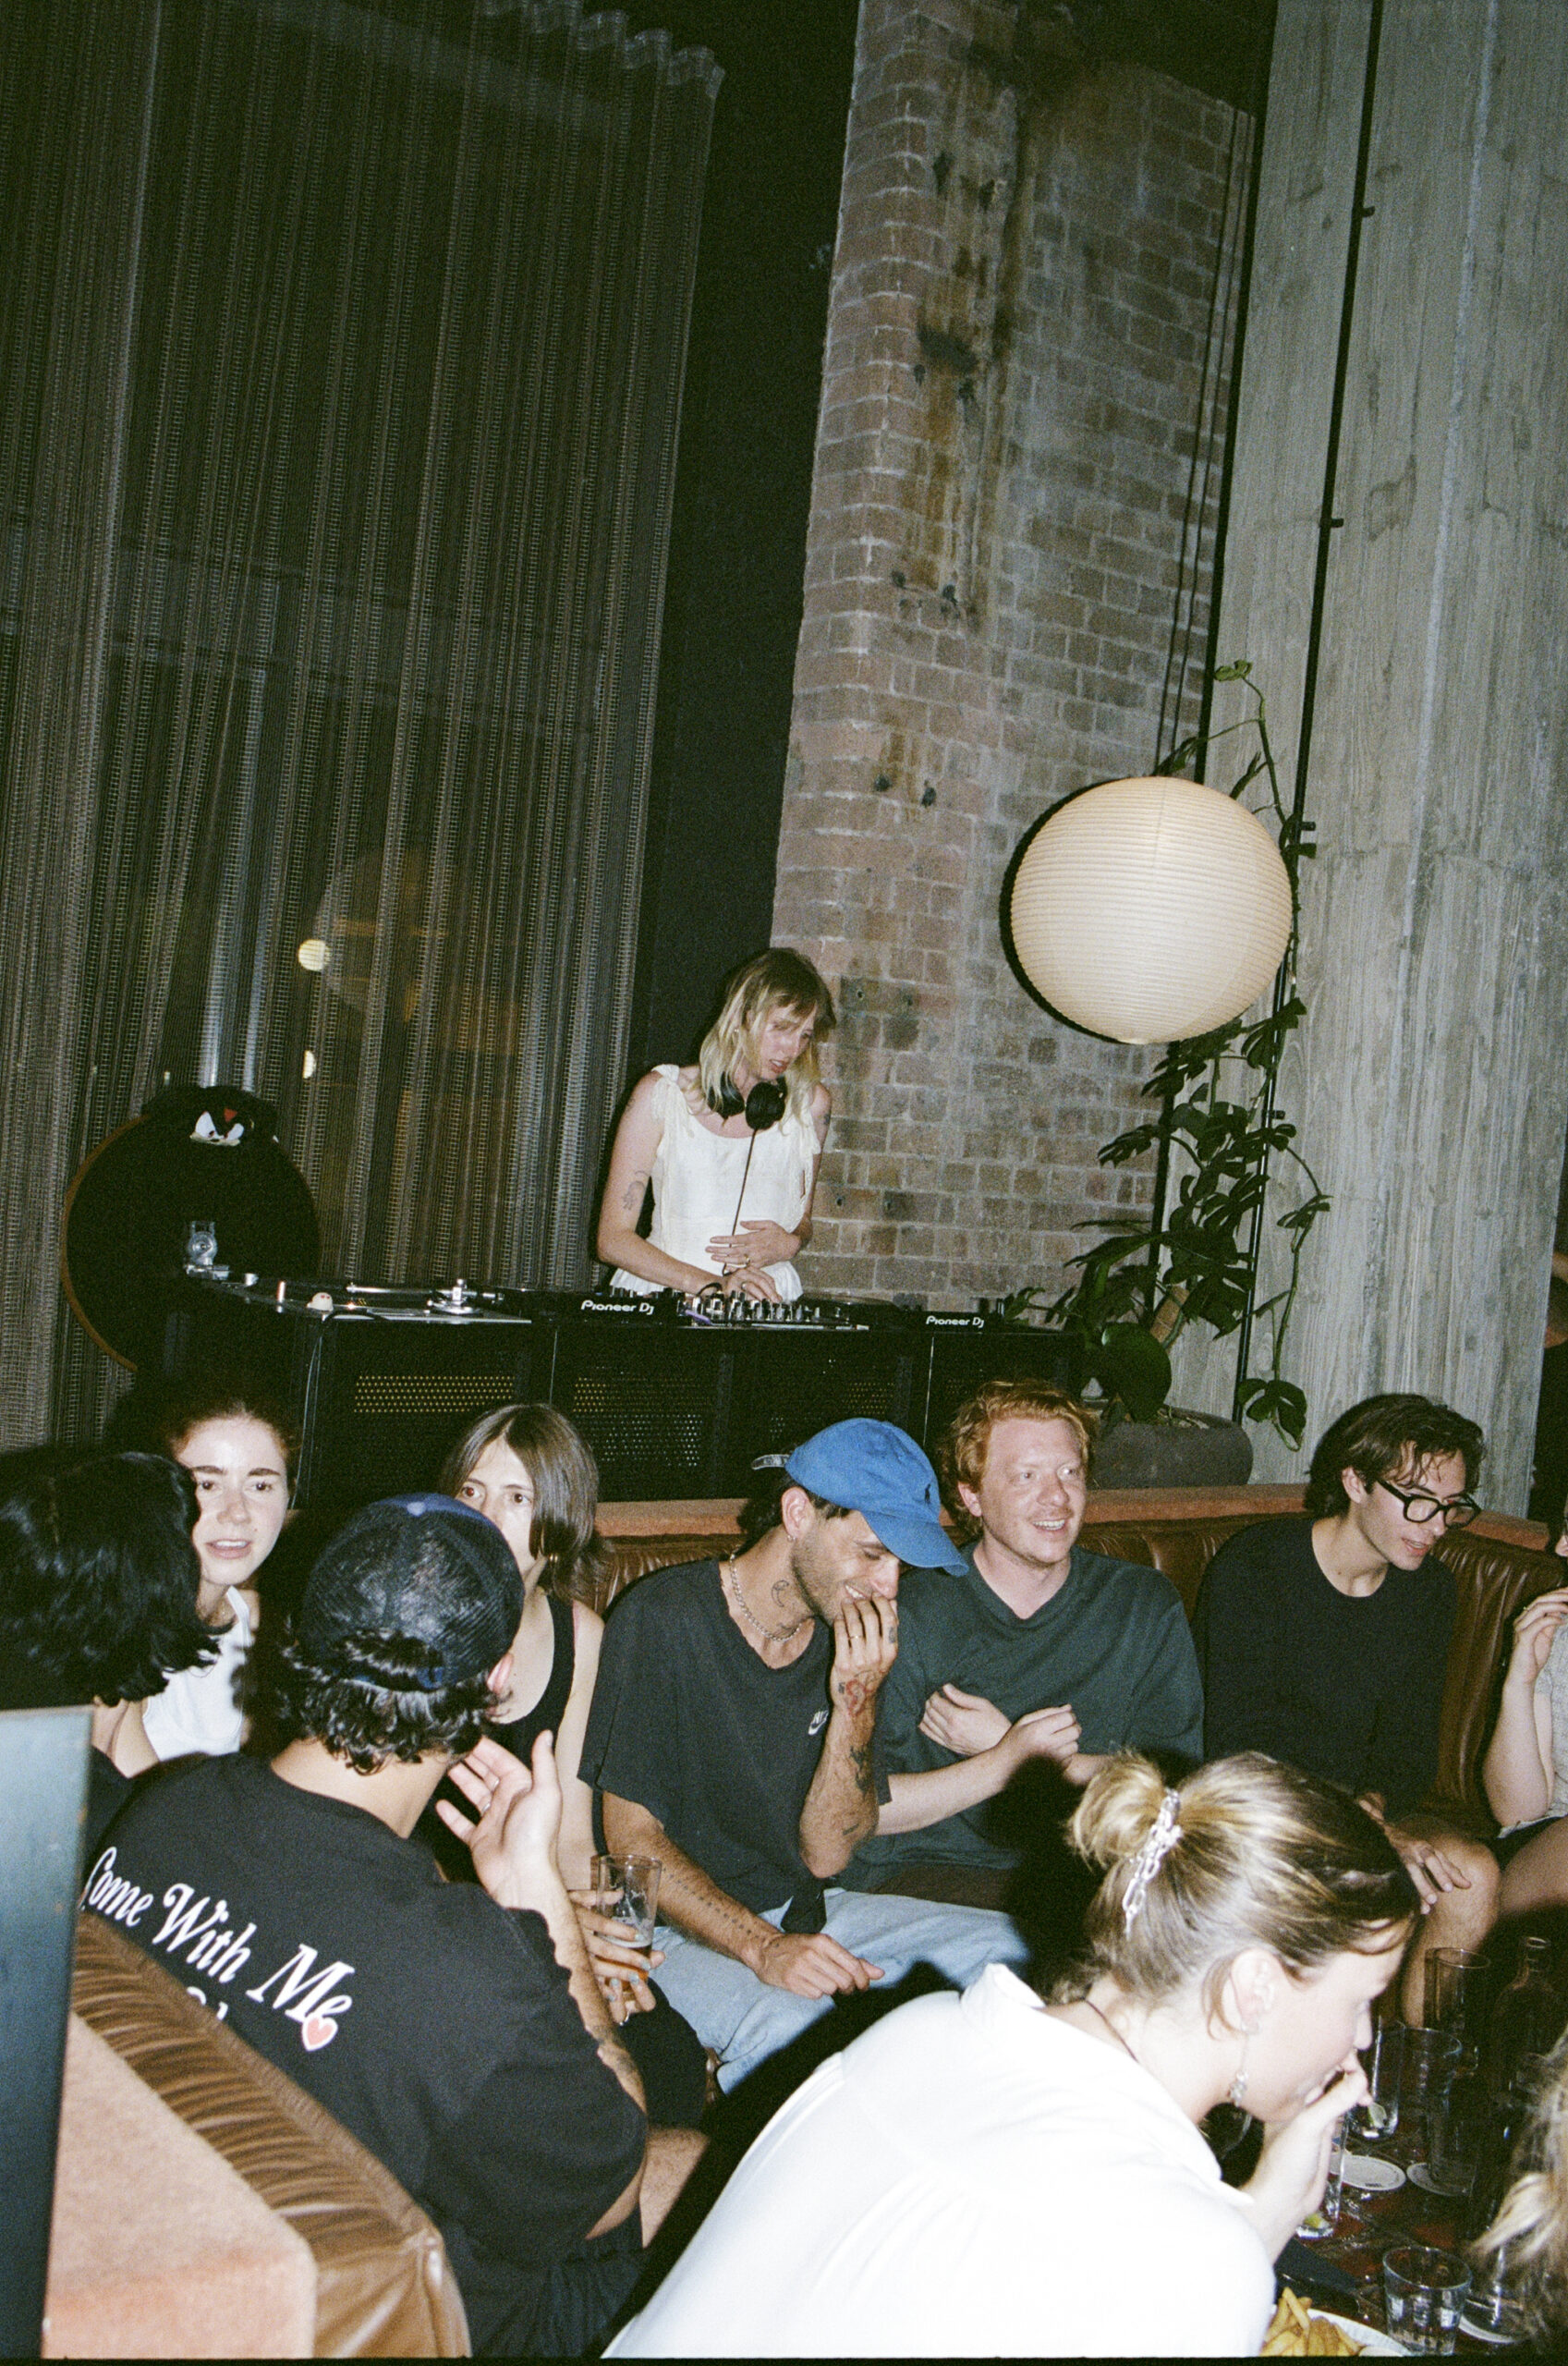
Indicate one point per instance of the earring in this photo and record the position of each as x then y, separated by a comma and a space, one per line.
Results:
1238, 2084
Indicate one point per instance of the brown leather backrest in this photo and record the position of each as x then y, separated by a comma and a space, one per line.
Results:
1498, 1566
383, 2287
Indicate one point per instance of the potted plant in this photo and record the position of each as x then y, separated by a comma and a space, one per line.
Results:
1220, 1133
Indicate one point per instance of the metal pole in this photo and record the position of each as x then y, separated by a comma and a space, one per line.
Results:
1326, 522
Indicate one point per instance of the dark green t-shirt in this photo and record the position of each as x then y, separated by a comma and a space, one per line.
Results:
1114, 1644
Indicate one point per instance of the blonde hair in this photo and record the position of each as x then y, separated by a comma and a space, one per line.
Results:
1264, 1856
966, 1443
1533, 2217
778, 979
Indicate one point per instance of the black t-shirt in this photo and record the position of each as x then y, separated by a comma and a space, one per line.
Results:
108, 1791
690, 1724
435, 2026
1349, 1687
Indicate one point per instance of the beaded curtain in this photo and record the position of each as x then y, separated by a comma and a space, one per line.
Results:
340, 372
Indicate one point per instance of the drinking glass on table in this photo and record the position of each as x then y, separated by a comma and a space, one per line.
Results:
626, 1890
1450, 1974
1430, 2058
1383, 2062
1456, 2126
1424, 2293
1320, 2223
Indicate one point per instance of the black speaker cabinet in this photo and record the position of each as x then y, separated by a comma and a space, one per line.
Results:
671, 1408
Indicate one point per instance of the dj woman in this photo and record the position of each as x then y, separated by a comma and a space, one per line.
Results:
730, 1146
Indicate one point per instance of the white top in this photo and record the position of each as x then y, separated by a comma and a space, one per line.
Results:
971, 2177
1553, 1682
198, 1711
697, 1182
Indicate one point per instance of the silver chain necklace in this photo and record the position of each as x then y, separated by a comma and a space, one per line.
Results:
770, 1634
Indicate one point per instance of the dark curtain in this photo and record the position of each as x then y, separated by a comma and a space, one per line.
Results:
340, 371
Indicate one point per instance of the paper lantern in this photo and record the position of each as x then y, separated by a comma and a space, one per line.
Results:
1150, 909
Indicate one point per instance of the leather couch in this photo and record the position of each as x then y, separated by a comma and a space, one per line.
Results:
1498, 1564
383, 2286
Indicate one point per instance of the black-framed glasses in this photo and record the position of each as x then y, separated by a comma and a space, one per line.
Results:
1458, 1510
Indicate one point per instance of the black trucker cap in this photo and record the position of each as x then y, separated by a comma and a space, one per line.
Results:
425, 1568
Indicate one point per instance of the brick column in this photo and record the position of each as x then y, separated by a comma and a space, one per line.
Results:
1015, 415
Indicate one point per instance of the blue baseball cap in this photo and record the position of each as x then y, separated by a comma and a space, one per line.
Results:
870, 1468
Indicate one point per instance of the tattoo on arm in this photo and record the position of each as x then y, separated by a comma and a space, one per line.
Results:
865, 1774
631, 1198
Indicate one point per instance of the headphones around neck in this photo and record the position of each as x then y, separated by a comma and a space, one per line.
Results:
763, 1107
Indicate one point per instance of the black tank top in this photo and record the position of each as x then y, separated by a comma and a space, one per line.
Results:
545, 1716
519, 1736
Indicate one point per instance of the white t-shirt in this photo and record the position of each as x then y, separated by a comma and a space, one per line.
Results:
703, 1186
198, 1709
972, 2178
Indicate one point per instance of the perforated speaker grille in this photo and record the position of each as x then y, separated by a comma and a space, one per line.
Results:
650, 1437
415, 1393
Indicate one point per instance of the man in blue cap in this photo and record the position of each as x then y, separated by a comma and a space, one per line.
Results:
733, 1736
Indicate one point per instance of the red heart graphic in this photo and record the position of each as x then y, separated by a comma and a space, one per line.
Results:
319, 2030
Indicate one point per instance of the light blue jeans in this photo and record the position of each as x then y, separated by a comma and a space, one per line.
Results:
745, 2021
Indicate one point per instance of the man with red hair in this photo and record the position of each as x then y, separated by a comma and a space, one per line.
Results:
1039, 1649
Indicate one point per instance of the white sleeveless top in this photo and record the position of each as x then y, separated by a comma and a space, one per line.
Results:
198, 1709
696, 1181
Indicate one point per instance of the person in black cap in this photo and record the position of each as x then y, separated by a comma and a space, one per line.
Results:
466, 2046
732, 1737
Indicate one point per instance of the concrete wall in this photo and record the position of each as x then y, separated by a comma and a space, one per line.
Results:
1431, 1079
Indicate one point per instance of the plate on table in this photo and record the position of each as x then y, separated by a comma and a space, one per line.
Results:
1367, 2173
1373, 2343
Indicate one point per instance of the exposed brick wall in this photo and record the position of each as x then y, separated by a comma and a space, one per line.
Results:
1001, 543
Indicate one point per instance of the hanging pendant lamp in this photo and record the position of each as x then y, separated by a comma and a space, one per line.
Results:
1150, 909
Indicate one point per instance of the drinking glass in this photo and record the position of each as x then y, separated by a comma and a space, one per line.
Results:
626, 1889
1383, 2062
1430, 2058
1450, 1990
1321, 2222
1494, 2310
1425, 2292
1456, 2115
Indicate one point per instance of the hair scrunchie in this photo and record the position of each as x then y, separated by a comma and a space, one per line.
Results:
1151, 1856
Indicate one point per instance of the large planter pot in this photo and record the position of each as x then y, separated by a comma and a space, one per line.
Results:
1182, 1450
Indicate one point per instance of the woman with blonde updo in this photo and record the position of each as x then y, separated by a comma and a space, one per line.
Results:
988, 2175
730, 1146
1528, 2240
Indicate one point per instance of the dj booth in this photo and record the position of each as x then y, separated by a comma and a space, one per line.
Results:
676, 1397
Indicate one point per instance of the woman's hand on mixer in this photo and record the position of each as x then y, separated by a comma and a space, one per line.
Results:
749, 1281
757, 1242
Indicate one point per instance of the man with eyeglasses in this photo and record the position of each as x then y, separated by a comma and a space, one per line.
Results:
1037, 1651
1323, 1640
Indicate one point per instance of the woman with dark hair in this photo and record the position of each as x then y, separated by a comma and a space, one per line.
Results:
991, 2175
527, 1470
98, 1603
238, 1447
731, 1146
